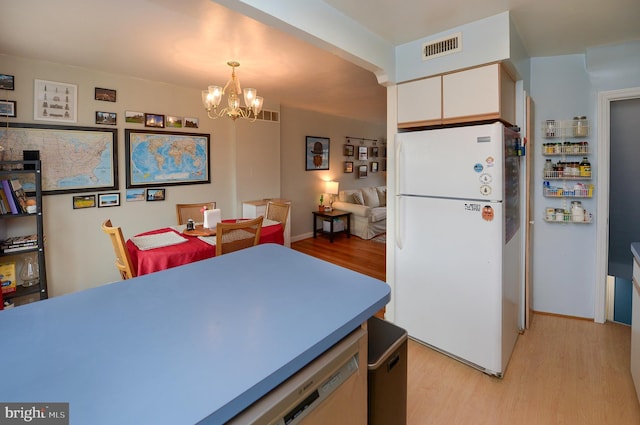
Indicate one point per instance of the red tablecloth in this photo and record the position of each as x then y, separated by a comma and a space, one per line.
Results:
154, 260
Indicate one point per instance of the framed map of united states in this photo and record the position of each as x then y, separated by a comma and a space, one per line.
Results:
74, 159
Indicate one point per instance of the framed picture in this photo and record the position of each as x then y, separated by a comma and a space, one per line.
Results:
53, 101
348, 166
190, 122
135, 195
84, 201
153, 120
108, 200
155, 194
134, 117
6, 82
106, 95
174, 122
362, 171
374, 167
88, 163
166, 158
316, 153
105, 118
363, 153
7, 108
348, 150
374, 152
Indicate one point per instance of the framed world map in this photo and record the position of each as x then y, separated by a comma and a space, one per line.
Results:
74, 159
166, 158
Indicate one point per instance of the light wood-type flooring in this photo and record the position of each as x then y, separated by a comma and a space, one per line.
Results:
563, 371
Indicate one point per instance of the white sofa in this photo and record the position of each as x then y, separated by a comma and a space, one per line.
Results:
368, 206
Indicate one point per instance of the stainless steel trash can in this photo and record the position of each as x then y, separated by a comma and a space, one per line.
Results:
387, 374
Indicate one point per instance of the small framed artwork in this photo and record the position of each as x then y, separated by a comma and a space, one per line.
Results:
154, 120
174, 122
348, 150
155, 194
105, 118
106, 95
6, 82
135, 195
134, 117
190, 122
108, 200
7, 108
363, 153
374, 167
317, 153
53, 101
362, 172
374, 152
348, 166
84, 201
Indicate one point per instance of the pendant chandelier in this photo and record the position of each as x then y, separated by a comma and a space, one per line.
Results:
213, 95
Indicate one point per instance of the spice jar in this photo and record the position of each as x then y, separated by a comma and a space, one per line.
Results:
580, 126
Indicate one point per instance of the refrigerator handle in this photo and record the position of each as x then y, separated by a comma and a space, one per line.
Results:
398, 207
398, 224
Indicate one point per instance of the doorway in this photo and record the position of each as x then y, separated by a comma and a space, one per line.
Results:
609, 215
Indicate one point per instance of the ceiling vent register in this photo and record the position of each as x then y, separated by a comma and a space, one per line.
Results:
442, 46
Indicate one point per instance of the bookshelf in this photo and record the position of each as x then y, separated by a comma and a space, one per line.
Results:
21, 228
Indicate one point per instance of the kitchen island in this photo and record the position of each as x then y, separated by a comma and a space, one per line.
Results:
200, 342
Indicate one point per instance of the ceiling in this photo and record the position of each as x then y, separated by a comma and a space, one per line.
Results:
188, 42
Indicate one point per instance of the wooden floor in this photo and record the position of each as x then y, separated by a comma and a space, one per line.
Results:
563, 370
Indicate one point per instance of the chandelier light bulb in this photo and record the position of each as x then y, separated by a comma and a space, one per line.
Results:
212, 97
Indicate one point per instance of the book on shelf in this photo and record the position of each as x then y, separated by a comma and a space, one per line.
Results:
6, 188
19, 195
19, 243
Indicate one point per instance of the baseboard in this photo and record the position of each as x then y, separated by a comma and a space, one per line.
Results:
301, 237
566, 316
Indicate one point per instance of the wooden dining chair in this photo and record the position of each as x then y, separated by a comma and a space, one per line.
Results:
123, 260
236, 236
185, 212
277, 211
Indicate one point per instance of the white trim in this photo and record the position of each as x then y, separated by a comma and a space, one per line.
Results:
602, 190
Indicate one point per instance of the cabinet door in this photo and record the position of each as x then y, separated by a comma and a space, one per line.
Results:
486, 92
420, 102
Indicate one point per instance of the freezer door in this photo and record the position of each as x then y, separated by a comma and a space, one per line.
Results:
448, 277
460, 162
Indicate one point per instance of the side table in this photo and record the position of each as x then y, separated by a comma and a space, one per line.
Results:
331, 215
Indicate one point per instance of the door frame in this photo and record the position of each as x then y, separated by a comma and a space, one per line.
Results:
602, 190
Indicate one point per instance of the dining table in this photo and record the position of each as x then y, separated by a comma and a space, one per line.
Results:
173, 246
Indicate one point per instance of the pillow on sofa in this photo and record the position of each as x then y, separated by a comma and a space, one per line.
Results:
382, 196
370, 195
357, 198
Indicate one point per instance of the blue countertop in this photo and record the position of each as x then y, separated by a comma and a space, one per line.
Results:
199, 342
635, 249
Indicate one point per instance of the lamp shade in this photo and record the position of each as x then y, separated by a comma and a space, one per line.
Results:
331, 188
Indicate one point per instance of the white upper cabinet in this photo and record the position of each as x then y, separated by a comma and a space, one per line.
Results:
420, 102
476, 94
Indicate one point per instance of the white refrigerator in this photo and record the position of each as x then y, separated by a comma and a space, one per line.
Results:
458, 242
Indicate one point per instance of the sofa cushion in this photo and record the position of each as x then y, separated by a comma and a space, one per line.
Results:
382, 195
370, 195
378, 214
357, 198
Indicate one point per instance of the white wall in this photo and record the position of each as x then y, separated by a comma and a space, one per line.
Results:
564, 255
78, 254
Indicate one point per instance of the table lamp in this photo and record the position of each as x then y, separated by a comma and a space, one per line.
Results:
331, 188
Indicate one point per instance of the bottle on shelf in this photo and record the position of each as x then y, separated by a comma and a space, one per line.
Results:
585, 167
